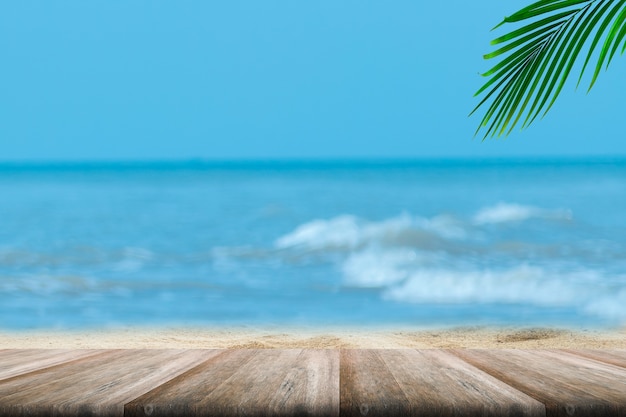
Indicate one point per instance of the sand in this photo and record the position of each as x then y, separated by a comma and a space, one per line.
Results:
318, 338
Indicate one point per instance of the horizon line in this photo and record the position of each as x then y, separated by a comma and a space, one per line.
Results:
334, 161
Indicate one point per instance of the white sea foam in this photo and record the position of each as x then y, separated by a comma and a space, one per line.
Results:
522, 284
450, 260
133, 259
348, 232
506, 212
137, 253
611, 305
49, 285
339, 232
372, 268
410, 277
581, 290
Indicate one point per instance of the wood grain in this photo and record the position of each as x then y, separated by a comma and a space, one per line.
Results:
424, 383
250, 383
614, 356
568, 384
313, 382
21, 361
368, 387
95, 385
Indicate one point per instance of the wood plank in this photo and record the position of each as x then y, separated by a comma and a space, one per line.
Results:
368, 388
181, 395
569, 385
613, 356
20, 361
250, 382
424, 383
313, 382
95, 385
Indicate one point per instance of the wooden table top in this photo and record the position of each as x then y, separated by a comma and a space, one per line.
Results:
312, 382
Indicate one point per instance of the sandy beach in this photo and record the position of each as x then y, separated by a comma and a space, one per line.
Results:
318, 338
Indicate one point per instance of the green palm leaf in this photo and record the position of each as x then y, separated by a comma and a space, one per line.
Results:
537, 58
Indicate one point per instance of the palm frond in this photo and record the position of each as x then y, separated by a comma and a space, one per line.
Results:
537, 58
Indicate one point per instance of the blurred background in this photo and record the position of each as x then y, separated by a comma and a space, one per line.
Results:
197, 163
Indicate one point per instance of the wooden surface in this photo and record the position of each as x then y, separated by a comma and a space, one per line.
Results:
568, 384
614, 357
17, 362
250, 382
294, 382
99, 384
424, 382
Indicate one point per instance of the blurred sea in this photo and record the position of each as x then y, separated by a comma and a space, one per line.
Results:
420, 243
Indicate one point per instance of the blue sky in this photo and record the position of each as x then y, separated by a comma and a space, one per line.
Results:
113, 79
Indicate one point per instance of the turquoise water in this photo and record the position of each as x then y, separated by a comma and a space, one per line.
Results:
423, 243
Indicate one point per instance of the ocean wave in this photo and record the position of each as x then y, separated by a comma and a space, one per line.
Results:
453, 260
349, 232
340, 232
407, 277
131, 258
582, 290
522, 284
49, 285
506, 213
373, 269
